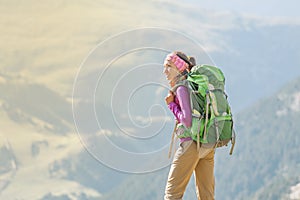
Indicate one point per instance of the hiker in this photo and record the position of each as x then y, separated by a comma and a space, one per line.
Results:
189, 157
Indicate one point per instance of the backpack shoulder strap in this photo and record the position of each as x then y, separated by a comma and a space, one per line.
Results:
180, 83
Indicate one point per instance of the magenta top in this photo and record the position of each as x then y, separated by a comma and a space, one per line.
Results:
181, 108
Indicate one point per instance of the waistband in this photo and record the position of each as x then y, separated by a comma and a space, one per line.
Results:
185, 139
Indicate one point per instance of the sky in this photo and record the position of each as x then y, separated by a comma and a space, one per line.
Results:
266, 8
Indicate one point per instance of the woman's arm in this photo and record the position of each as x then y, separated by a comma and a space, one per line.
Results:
182, 110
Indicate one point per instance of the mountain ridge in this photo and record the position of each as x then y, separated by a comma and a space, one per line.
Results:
272, 172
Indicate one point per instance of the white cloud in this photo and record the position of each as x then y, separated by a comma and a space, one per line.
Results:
289, 103
282, 112
295, 192
147, 120
295, 105
104, 132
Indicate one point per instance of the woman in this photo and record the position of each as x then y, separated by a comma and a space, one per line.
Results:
187, 158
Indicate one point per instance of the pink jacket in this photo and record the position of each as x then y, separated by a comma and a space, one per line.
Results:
181, 106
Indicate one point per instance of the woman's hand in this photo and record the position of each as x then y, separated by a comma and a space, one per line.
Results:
170, 98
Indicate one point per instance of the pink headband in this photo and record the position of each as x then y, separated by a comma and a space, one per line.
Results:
177, 61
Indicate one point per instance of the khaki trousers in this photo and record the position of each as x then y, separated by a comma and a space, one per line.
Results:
186, 161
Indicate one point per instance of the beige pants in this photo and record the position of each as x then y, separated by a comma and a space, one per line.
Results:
186, 161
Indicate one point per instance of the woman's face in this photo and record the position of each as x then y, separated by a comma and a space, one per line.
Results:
171, 71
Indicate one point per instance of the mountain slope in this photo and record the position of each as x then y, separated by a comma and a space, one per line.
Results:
29, 102
267, 146
41, 154
36, 138
265, 163
47, 44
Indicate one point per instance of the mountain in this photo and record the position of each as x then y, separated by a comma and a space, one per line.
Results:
29, 102
8, 165
257, 56
48, 44
36, 141
266, 148
39, 145
56, 139
265, 163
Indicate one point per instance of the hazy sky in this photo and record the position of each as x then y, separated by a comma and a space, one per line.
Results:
268, 8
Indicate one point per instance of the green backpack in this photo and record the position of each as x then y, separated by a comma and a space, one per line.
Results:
212, 123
